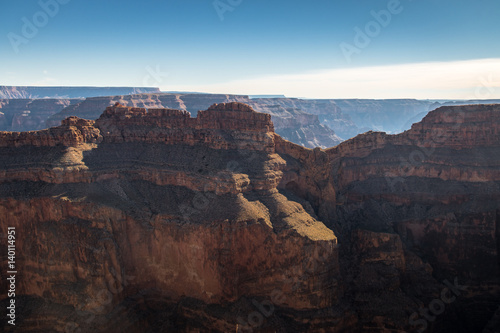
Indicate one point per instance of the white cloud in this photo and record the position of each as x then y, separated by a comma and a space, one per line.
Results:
46, 81
471, 79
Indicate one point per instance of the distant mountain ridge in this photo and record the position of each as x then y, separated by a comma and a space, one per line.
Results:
308, 122
31, 92
30, 114
388, 115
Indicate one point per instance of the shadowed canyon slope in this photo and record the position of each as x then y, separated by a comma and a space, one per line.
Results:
152, 220
412, 210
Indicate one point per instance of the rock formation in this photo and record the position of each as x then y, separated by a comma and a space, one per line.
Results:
151, 220
326, 110
414, 212
309, 122
388, 115
29, 114
26, 92
155, 206
298, 126
293, 124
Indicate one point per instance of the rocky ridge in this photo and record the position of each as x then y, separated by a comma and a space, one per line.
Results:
292, 124
413, 211
27, 92
155, 205
215, 223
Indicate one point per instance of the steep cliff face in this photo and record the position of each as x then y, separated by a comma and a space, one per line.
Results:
349, 117
151, 220
156, 210
415, 212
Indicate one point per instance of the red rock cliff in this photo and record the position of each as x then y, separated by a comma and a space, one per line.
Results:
155, 206
222, 126
431, 195
151, 220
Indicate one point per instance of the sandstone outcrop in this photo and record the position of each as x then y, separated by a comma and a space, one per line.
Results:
154, 208
291, 123
308, 122
431, 195
153, 220
73, 131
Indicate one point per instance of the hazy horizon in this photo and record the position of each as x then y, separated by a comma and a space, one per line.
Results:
366, 49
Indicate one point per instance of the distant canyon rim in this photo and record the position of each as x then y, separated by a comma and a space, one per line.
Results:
205, 219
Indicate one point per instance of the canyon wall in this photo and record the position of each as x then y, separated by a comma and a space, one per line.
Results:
328, 112
154, 209
414, 213
152, 220
308, 122
292, 124
388, 115
30, 114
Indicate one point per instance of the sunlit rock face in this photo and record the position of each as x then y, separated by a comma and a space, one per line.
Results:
157, 210
154, 220
295, 121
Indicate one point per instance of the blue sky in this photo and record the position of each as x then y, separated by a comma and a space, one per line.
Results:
297, 48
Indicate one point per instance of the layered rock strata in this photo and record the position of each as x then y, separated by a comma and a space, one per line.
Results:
30, 114
151, 220
293, 124
414, 212
27, 92
154, 209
